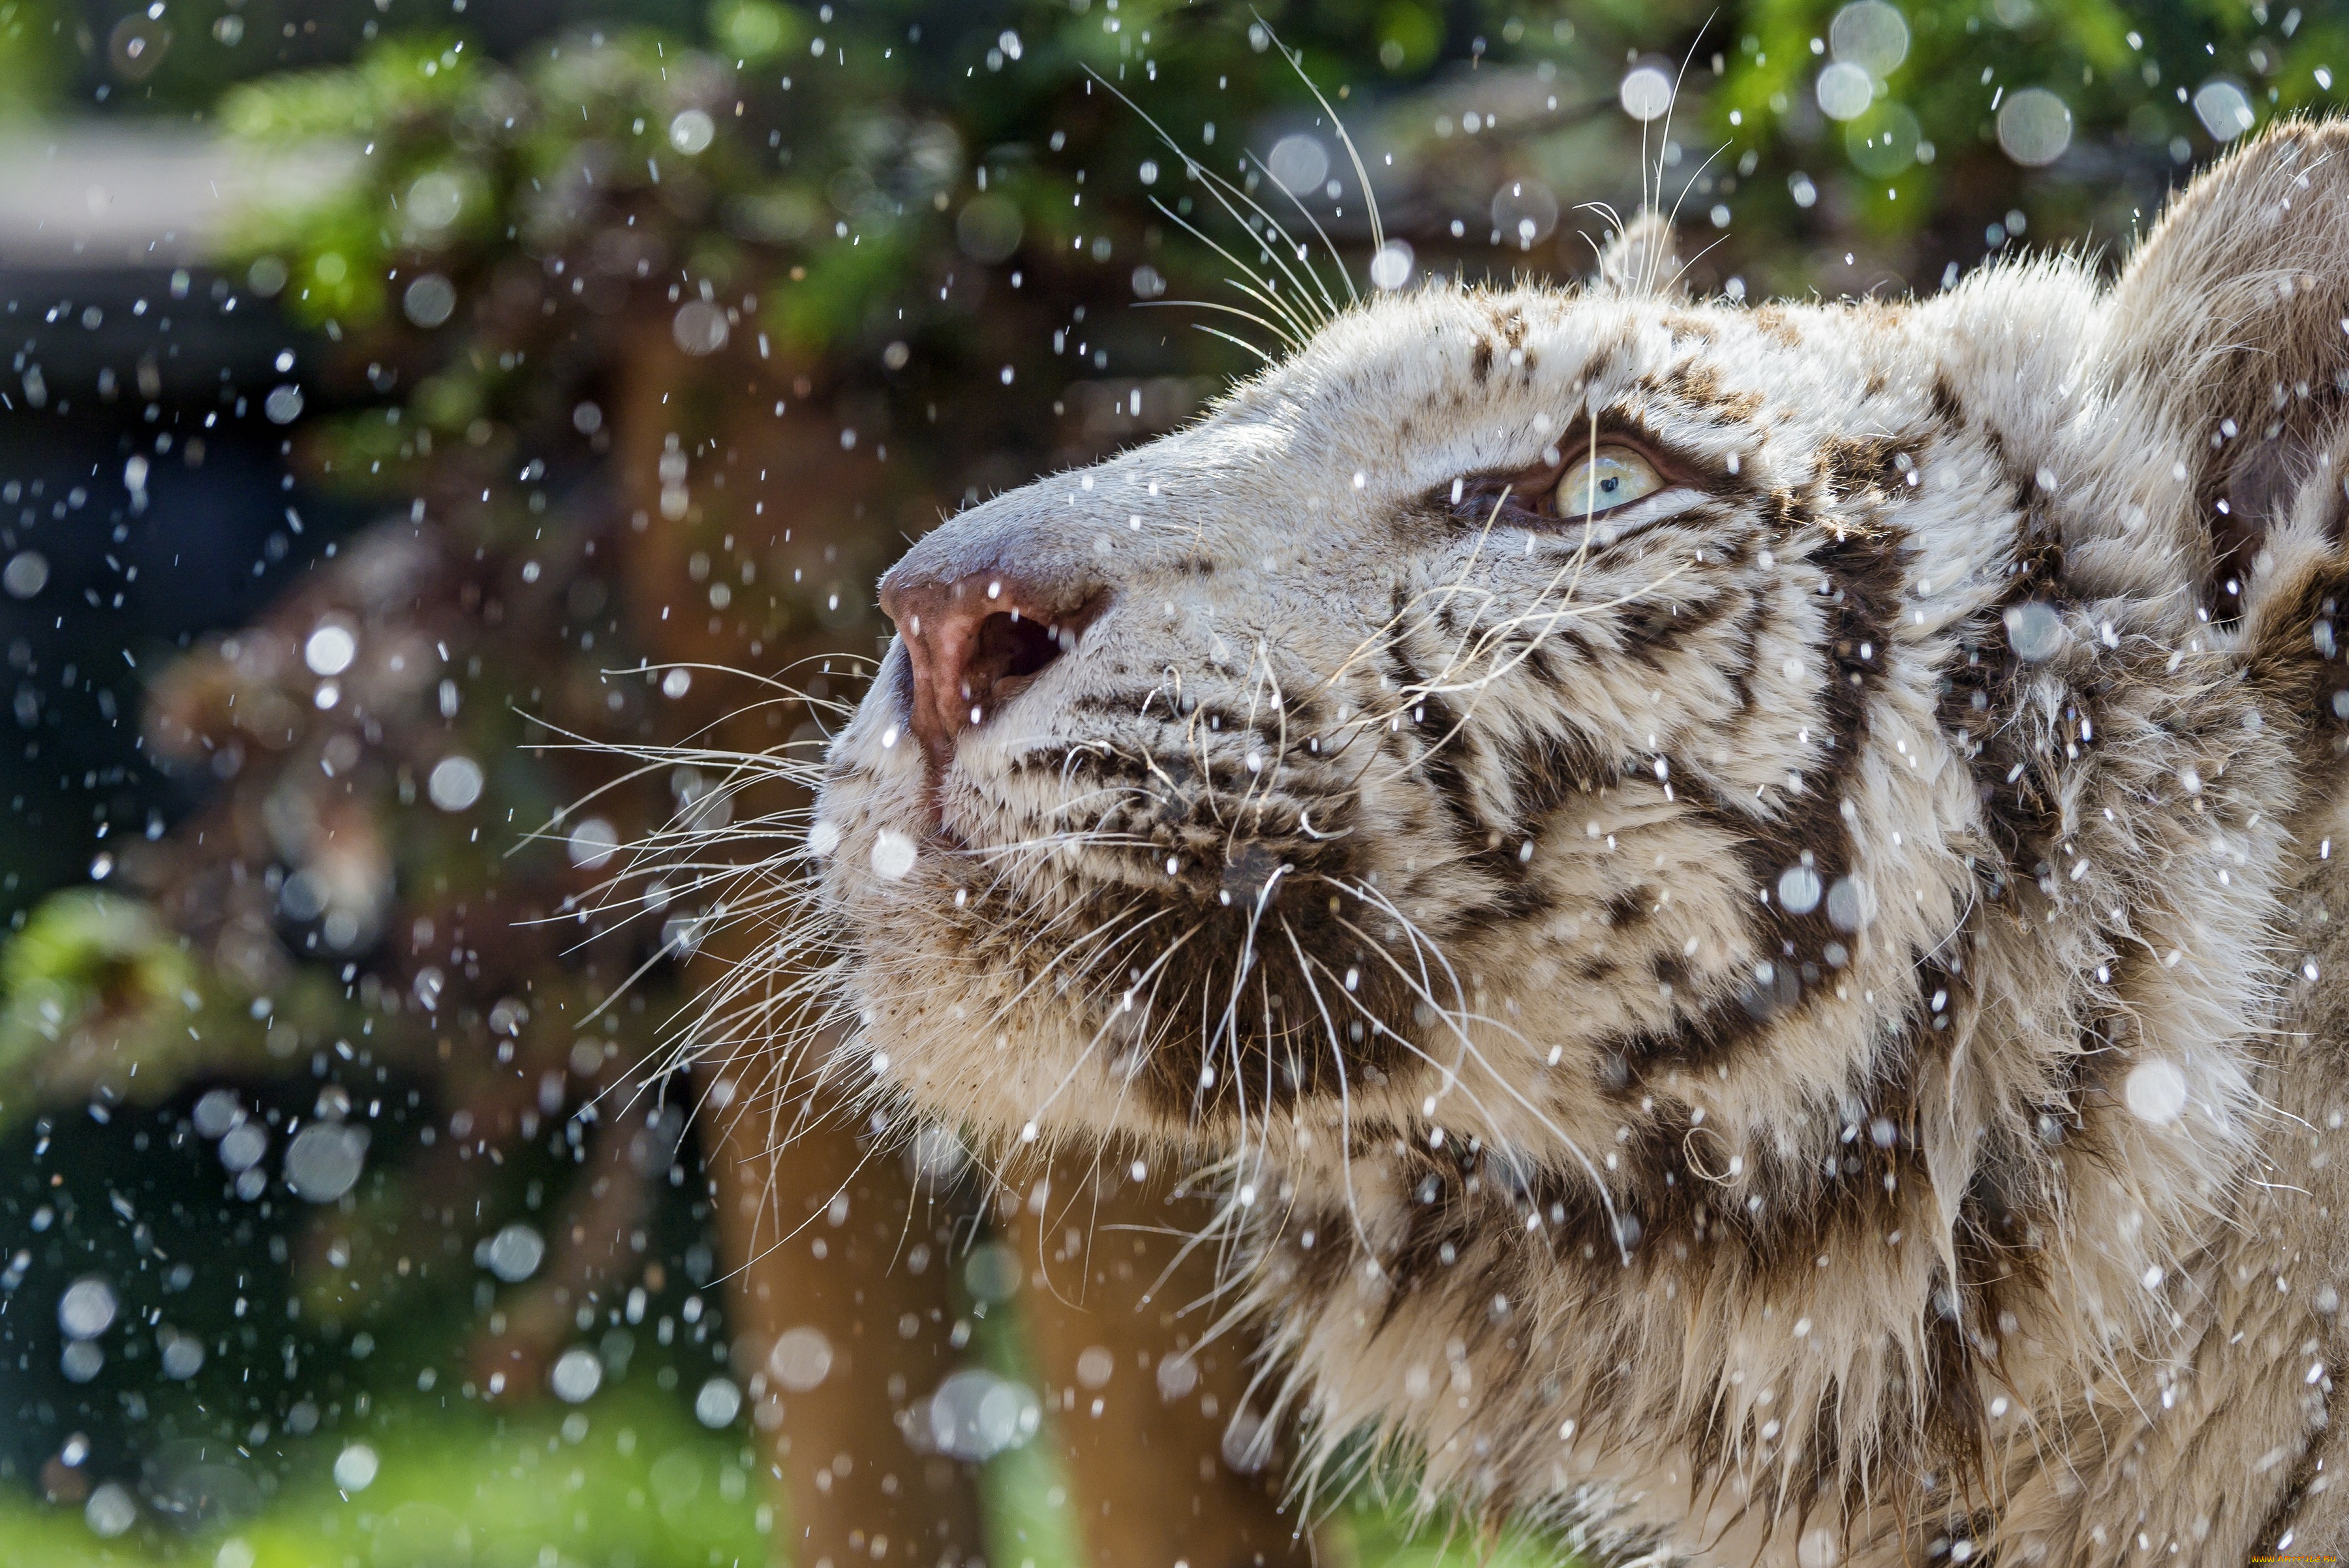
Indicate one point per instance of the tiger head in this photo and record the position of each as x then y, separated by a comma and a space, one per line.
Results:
1786, 761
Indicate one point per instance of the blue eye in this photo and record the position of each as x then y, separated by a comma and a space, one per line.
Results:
1610, 477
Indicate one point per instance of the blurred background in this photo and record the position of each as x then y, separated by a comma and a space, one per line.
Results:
406, 401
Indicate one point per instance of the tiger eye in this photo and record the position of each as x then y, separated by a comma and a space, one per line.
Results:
1611, 477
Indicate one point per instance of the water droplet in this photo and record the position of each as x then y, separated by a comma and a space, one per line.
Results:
1646, 93
976, 1415
513, 1253
183, 1356
1299, 163
241, 1146
1525, 210
691, 130
2155, 1090
2035, 127
435, 198
1869, 33
939, 1155
217, 1113
1247, 1442
110, 1510
330, 650
136, 47
989, 228
592, 843
356, 1467
430, 300
576, 1375
1177, 1376
2224, 109
1845, 90
1850, 904
718, 1402
87, 1307
27, 574
1798, 890
802, 1358
992, 1272
2034, 630
456, 782
699, 328
893, 855
324, 1160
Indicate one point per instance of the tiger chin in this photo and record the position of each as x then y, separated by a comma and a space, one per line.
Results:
1741, 896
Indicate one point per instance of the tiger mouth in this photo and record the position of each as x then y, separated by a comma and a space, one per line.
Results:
1234, 954
1267, 989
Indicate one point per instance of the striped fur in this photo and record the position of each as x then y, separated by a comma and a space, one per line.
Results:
1781, 1026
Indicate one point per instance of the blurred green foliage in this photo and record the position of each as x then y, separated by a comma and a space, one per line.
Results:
624, 1480
83, 956
1924, 168
32, 43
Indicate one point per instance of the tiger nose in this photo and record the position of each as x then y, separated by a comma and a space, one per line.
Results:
975, 641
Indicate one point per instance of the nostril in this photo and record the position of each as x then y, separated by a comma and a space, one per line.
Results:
975, 643
1010, 647
1004, 651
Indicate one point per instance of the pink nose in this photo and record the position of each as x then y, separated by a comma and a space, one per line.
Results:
975, 643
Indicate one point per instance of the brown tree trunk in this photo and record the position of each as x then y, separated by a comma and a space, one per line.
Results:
816, 1234
1142, 1411
825, 1238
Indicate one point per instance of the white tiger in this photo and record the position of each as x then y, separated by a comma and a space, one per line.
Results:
1742, 894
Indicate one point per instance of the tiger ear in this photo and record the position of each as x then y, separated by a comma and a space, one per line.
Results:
1641, 257
2231, 320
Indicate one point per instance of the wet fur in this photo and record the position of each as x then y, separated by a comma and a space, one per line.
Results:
1613, 1189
